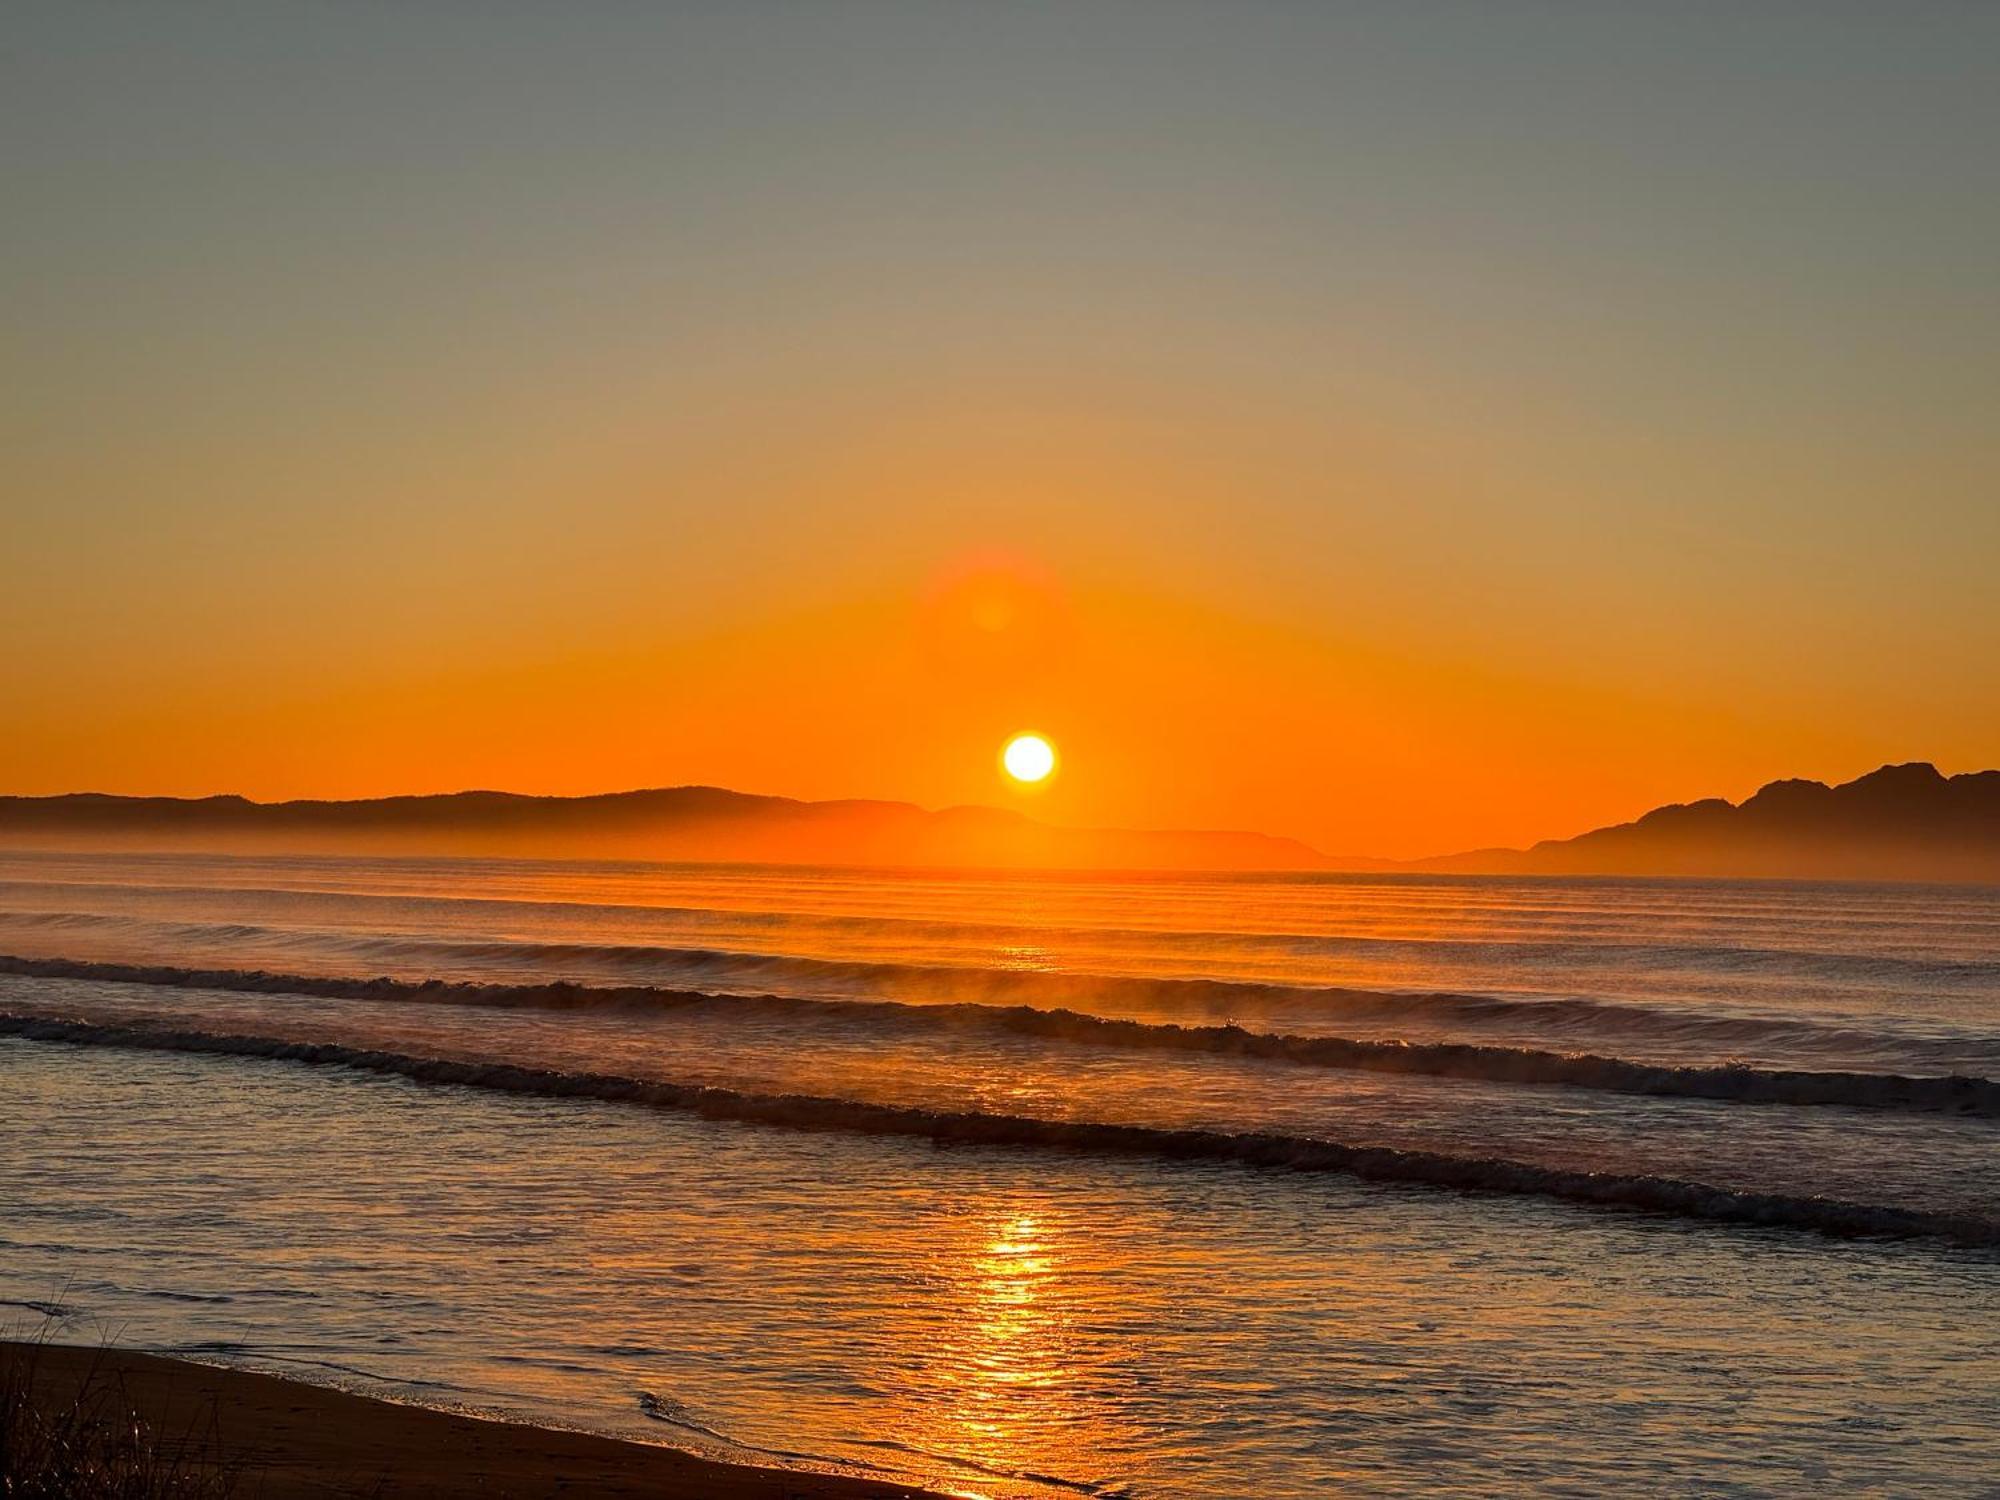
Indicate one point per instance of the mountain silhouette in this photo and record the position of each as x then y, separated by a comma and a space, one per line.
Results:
1905, 822
697, 823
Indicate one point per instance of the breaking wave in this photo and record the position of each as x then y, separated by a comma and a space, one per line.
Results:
1734, 1083
668, 969
1480, 1174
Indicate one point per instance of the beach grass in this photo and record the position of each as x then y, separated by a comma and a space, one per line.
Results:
85, 1438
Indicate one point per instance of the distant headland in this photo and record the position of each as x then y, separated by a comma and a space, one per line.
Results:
1904, 822
691, 823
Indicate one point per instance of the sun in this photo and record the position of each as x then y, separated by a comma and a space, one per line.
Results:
1029, 758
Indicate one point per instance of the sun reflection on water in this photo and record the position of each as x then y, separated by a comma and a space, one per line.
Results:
1025, 956
1005, 1384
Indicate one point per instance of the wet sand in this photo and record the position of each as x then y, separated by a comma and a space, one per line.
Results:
285, 1439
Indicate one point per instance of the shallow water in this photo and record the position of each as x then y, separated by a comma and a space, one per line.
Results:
1123, 1314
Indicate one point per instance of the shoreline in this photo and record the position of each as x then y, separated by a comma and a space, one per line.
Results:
285, 1439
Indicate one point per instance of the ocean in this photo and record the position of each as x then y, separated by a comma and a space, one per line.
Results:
1026, 1186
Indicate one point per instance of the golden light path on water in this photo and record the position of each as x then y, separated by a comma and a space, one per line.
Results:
997, 1387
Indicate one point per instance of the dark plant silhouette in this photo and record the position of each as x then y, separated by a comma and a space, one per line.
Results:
86, 1440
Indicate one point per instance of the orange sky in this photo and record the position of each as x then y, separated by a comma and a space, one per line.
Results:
1168, 711
1402, 428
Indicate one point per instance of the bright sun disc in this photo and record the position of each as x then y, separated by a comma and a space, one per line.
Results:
1028, 757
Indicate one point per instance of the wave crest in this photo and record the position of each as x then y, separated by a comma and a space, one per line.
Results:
1478, 1174
1732, 1083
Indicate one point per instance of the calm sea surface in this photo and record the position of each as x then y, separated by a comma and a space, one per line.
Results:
1036, 1186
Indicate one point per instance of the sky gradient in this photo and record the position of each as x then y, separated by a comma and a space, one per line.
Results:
1405, 427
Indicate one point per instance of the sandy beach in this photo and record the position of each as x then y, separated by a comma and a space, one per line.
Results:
284, 1439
